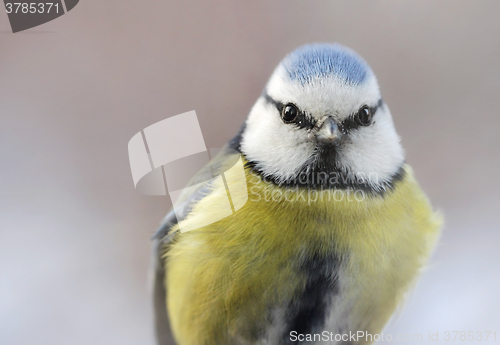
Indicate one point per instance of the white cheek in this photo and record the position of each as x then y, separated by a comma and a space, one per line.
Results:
277, 148
375, 151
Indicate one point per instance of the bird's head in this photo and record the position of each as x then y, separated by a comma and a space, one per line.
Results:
321, 115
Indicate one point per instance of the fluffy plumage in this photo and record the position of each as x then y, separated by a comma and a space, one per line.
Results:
333, 254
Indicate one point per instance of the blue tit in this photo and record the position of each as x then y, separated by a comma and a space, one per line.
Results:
333, 234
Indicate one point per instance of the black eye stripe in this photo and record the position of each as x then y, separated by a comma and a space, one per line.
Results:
350, 123
301, 121
305, 121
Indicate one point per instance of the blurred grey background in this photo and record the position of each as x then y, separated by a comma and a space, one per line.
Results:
74, 233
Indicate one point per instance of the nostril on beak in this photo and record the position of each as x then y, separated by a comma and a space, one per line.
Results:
328, 130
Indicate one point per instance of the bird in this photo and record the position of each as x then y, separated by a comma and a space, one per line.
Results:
335, 230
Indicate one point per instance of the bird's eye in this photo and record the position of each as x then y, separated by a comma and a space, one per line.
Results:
289, 113
364, 116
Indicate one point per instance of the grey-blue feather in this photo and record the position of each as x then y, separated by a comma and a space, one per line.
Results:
321, 60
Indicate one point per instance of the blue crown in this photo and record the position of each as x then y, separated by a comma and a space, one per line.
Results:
321, 60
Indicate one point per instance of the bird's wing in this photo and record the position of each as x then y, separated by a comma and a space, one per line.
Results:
164, 237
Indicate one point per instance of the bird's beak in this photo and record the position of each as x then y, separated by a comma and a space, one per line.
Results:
327, 130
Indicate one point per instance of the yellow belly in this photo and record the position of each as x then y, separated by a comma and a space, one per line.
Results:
224, 280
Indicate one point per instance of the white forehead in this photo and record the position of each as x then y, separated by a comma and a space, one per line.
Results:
324, 95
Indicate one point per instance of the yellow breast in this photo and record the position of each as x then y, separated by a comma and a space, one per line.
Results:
224, 279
